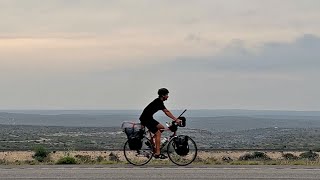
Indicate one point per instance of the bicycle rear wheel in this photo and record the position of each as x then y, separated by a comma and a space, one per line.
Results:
182, 160
141, 156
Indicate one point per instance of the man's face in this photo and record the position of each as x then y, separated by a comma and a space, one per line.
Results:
165, 97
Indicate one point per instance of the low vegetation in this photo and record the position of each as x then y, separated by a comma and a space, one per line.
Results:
67, 160
310, 155
43, 140
254, 156
289, 156
84, 159
308, 158
41, 154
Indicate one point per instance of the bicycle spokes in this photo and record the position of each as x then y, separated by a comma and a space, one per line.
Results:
182, 158
141, 156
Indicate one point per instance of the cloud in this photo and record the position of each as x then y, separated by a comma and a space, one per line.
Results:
277, 76
301, 55
209, 17
232, 54
193, 37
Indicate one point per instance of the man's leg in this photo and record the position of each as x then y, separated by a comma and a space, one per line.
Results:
157, 138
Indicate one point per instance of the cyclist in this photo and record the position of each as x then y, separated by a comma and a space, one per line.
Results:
153, 125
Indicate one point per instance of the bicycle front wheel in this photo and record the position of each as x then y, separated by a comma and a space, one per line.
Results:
139, 156
182, 158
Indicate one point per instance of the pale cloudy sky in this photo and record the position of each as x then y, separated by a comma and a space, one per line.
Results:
115, 54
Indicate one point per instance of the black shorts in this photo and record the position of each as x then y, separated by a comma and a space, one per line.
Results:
151, 124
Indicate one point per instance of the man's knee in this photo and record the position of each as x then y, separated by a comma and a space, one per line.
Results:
158, 133
160, 126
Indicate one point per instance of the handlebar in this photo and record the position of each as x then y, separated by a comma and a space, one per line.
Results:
174, 126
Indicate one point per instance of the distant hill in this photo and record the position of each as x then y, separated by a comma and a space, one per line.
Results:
189, 113
22, 137
212, 120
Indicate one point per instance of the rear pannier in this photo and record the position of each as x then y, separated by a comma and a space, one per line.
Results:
134, 132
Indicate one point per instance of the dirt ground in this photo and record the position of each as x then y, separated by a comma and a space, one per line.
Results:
12, 156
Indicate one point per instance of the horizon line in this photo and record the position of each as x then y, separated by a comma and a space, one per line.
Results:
193, 109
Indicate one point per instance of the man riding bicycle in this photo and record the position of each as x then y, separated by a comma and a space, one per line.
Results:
153, 125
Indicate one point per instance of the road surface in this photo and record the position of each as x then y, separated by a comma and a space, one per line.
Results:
151, 173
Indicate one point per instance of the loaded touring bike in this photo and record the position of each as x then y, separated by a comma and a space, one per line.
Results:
140, 146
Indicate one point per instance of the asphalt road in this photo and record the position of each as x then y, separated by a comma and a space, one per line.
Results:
107, 172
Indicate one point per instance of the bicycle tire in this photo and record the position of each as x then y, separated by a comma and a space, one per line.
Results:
182, 160
138, 157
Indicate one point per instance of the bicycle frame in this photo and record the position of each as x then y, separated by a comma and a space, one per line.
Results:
151, 137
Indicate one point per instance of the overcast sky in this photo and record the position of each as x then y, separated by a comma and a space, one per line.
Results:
115, 54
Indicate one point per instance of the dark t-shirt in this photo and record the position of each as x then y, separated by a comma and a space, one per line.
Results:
151, 109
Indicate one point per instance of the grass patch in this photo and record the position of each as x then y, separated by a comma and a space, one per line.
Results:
31, 162
3, 162
308, 158
67, 160
84, 159
210, 160
246, 163
99, 159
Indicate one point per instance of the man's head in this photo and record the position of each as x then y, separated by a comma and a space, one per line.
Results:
163, 93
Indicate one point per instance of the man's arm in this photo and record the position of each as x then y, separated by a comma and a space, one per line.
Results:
170, 115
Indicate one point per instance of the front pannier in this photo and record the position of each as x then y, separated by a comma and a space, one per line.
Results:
181, 145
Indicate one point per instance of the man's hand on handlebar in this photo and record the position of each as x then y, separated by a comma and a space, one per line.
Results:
178, 121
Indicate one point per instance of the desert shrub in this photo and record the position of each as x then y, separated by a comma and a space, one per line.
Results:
113, 157
289, 156
3, 161
99, 159
254, 156
309, 155
67, 160
227, 159
40, 154
246, 157
31, 162
17, 162
84, 158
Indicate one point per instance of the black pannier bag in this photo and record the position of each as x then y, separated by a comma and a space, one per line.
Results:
181, 145
134, 134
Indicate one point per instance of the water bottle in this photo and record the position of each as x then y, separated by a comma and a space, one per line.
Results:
163, 140
168, 124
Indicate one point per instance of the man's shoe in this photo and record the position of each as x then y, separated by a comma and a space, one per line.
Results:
160, 156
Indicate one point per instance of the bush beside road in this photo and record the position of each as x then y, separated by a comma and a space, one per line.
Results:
203, 158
